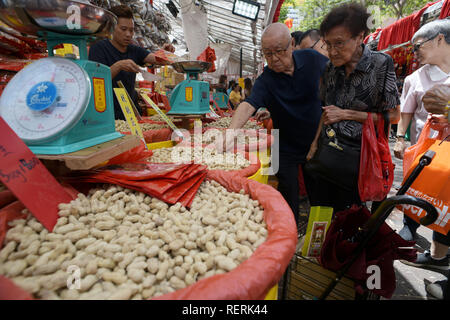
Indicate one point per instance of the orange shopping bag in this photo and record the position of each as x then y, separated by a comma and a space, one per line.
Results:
433, 184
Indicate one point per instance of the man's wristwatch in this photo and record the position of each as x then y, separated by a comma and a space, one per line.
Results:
400, 136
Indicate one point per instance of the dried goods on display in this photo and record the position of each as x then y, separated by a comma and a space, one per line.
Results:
130, 246
206, 156
151, 27
122, 126
225, 123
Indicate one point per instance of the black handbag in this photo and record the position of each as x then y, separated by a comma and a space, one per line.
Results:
336, 160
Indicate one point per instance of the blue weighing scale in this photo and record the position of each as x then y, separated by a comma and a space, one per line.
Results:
59, 105
221, 99
191, 96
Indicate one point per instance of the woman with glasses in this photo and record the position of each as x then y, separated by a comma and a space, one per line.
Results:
431, 45
357, 82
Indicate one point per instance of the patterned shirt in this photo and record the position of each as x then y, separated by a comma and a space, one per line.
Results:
371, 87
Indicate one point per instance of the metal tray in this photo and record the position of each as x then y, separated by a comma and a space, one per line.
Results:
191, 66
31, 16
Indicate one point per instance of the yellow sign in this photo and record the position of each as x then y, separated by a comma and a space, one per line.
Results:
188, 94
67, 49
162, 114
241, 83
127, 110
99, 94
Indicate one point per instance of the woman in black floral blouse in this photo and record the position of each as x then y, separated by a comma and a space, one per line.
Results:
355, 82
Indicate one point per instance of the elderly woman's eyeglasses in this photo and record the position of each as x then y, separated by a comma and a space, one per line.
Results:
338, 45
278, 53
417, 46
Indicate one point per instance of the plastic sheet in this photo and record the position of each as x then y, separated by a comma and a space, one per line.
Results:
157, 135
136, 154
253, 278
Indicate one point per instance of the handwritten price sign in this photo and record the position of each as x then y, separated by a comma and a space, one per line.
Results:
28, 179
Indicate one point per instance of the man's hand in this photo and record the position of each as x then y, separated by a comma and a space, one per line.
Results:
332, 114
262, 115
312, 151
436, 98
127, 65
168, 47
399, 148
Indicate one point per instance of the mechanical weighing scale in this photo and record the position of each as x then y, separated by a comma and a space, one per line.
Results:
59, 105
191, 96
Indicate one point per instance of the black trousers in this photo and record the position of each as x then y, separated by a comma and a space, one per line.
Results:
322, 192
438, 237
288, 180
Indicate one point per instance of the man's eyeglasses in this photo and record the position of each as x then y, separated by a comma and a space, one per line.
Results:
338, 45
277, 53
312, 47
417, 46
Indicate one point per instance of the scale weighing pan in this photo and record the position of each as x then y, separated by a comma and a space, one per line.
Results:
191, 66
32, 16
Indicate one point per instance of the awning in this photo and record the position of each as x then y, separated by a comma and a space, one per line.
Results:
225, 27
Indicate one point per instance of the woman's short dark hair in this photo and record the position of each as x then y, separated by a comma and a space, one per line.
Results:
122, 11
353, 16
297, 36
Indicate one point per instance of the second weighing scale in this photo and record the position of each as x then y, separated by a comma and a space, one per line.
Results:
191, 96
59, 105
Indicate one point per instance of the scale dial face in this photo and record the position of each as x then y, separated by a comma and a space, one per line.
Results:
45, 99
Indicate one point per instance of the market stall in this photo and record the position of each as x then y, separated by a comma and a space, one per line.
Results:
106, 196
395, 39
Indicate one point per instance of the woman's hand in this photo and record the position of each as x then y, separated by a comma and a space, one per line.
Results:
312, 151
399, 148
332, 114
439, 123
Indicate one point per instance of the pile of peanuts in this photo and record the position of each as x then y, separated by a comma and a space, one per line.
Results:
122, 126
157, 117
211, 136
123, 244
206, 156
225, 122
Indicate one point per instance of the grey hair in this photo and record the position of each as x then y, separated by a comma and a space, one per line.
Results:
432, 29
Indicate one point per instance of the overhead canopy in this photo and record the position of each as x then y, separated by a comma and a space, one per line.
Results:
226, 27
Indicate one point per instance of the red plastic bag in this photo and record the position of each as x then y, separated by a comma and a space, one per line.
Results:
208, 55
376, 171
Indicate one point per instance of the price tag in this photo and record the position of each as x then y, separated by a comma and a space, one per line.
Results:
162, 114
127, 110
30, 181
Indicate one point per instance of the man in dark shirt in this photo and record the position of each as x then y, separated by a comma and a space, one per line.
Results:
289, 88
121, 56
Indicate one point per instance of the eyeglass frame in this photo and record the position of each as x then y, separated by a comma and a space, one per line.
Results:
277, 52
418, 46
334, 45
312, 47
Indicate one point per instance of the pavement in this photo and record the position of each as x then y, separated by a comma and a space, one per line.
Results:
411, 281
